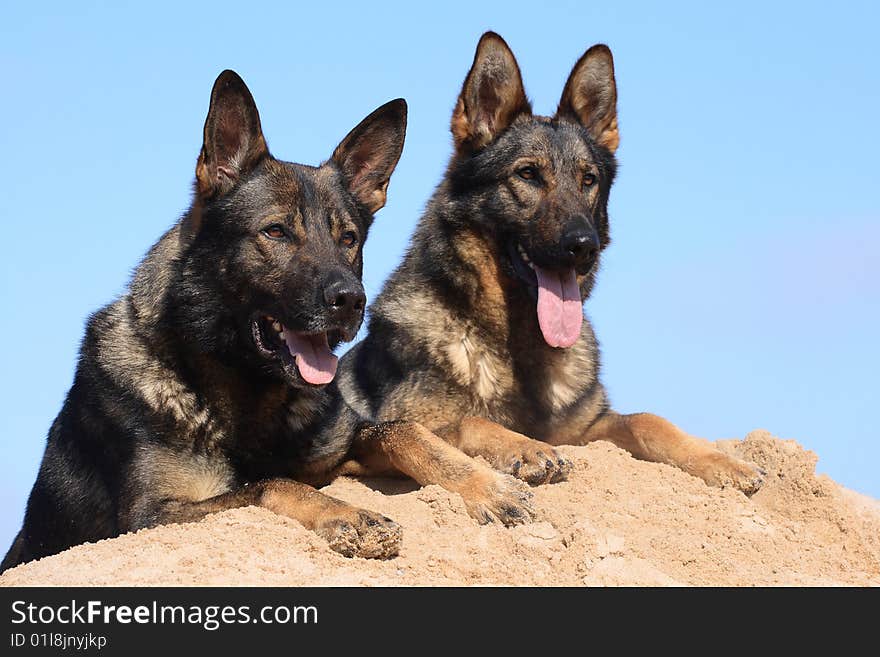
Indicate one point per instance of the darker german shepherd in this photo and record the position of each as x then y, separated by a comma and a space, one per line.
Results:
209, 385
482, 323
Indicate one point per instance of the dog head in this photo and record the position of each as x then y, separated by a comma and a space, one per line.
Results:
274, 265
538, 186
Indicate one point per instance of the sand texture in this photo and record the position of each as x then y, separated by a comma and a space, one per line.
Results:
616, 521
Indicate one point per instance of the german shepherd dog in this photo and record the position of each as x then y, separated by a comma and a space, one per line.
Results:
482, 323
209, 384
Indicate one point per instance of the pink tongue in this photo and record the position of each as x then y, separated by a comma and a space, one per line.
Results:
559, 307
314, 360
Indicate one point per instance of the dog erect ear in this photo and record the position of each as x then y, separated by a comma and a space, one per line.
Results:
233, 142
491, 98
368, 154
590, 96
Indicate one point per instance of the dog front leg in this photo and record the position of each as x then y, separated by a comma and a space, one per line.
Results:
411, 449
351, 531
653, 438
533, 461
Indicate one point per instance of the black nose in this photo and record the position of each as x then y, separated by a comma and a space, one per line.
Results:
344, 299
581, 244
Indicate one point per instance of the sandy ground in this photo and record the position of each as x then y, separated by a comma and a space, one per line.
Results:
617, 521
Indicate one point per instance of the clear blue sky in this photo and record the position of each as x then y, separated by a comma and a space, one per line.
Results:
741, 288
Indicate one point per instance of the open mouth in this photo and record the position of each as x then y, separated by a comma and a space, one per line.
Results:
308, 353
559, 306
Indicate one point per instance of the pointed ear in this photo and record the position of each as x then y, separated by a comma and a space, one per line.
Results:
590, 96
368, 154
491, 98
233, 142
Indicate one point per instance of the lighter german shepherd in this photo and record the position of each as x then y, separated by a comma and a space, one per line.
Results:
482, 323
209, 384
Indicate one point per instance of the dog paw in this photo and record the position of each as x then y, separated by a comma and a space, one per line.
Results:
722, 470
535, 463
495, 497
362, 534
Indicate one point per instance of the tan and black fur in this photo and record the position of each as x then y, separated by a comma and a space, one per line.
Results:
184, 402
454, 342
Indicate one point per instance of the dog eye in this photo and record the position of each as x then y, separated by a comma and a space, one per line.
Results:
275, 232
527, 173
349, 239
589, 180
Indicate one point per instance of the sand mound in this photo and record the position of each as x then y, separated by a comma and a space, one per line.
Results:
617, 521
